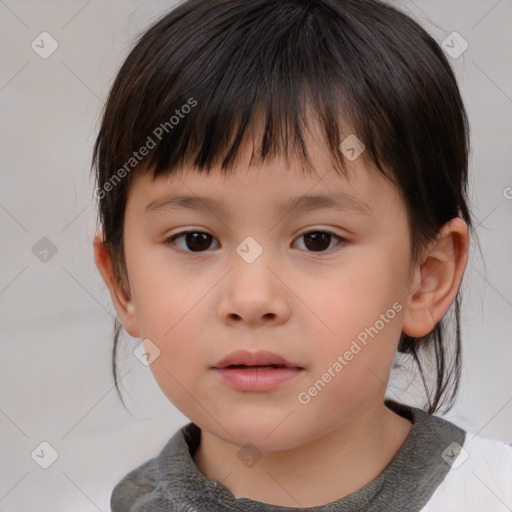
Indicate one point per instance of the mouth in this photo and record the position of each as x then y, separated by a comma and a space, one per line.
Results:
243, 359
256, 371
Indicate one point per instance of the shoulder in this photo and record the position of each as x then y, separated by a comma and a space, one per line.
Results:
146, 488
479, 477
136, 488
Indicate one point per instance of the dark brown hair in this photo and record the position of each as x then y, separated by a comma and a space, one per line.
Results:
286, 63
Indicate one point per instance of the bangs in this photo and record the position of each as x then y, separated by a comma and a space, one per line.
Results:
266, 71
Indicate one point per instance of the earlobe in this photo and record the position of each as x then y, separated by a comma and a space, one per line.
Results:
119, 291
437, 280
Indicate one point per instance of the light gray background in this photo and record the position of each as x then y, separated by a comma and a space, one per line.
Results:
56, 317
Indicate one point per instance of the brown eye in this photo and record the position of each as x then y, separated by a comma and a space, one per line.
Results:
196, 241
319, 241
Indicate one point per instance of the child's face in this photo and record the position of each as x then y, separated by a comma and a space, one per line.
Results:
306, 299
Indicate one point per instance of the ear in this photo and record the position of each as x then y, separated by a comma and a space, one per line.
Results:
437, 279
119, 291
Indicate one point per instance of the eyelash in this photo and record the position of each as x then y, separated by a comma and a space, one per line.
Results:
171, 239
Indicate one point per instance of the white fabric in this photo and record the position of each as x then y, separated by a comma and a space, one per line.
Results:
480, 479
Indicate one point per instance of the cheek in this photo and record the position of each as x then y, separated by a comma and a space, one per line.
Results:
171, 308
176, 325
361, 311
356, 296
166, 295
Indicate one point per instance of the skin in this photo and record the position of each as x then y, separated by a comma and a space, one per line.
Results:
304, 303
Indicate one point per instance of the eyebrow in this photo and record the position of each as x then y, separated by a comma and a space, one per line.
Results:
335, 201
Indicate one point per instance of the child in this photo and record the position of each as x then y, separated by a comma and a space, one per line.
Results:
260, 128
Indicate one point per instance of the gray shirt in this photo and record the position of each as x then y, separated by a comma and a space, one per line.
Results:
173, 482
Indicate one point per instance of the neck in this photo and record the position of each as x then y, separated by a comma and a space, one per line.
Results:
323, 470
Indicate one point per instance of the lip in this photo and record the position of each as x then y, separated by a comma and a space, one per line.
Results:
258, 374
260, 358
257, 379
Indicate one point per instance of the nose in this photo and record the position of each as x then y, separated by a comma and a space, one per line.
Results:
254, 293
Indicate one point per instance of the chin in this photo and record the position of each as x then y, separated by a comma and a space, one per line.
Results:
266, 435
